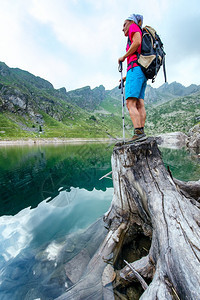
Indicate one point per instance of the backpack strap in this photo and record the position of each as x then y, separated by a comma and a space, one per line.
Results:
129, 41
133, 62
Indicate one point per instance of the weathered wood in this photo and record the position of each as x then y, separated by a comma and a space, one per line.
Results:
146, 200
145, 194
137, 275
92, 284
106, 175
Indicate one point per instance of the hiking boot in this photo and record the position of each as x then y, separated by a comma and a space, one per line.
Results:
138, 136
142, 130
120, 143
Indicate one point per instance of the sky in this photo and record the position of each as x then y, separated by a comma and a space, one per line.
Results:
77, 43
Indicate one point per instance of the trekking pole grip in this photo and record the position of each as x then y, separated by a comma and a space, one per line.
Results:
120, 66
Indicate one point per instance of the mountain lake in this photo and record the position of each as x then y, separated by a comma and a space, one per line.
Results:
50, 195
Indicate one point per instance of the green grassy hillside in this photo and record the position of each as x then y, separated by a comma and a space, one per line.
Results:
30, 107
175, 115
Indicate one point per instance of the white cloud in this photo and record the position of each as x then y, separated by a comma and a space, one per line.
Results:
10, 30
185, 73
70, 42
85, 36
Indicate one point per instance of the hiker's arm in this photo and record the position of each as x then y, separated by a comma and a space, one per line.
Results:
134, 46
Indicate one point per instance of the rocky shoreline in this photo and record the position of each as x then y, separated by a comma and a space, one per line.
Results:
173, 140
41, 141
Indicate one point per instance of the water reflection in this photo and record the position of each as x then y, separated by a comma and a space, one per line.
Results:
32, 242
28, 175
51, 220
183, 164
62, 184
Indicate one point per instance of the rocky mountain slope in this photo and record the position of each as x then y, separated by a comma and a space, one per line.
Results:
31, 107
164, 93
179, 114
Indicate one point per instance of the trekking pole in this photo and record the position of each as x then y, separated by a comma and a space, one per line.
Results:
164, 69
122, 97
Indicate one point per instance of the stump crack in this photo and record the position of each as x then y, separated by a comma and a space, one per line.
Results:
162, 197
171, 288
128, 198
189, 241
120, 193
139, 203
194, 232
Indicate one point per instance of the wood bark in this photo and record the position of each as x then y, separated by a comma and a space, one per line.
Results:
147, 200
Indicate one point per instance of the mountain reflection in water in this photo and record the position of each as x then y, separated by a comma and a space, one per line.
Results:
32, 241
29, 175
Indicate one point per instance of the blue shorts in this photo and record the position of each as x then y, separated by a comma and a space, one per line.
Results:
136, 83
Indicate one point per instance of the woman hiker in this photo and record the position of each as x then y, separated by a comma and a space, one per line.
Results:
135, 79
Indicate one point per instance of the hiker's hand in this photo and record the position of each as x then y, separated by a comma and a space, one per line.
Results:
121, 59
124, 79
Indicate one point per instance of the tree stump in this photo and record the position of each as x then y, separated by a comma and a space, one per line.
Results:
146, 200
146, 195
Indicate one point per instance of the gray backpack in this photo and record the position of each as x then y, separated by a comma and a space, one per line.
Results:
152, 55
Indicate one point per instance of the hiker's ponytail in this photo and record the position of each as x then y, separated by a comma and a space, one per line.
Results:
140, 23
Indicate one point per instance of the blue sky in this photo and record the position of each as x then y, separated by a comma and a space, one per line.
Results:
74, 43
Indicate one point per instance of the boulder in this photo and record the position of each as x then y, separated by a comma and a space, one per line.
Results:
173, 140
194, 137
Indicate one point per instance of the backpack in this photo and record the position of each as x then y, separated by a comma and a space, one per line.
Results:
152, 55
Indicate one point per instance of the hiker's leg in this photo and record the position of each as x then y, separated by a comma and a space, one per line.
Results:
142, 111
131, 104
134, 90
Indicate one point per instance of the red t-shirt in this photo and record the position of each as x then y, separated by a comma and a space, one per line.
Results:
132, 29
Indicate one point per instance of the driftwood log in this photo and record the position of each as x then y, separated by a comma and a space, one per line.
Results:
146, 202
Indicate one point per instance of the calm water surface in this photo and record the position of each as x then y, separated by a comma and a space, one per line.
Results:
49, 196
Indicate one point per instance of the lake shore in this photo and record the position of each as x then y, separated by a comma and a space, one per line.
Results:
40, 141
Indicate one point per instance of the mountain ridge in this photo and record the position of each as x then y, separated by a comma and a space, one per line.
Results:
31, 107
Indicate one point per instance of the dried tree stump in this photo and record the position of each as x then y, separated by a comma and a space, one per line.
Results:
146, 198
146, 195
